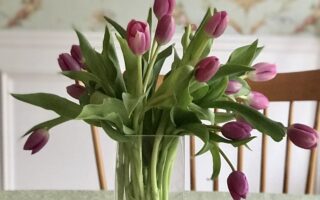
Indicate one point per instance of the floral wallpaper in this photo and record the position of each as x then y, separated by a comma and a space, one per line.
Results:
246, 16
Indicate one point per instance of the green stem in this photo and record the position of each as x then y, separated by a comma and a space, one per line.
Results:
139, 86
150, 69
227, 159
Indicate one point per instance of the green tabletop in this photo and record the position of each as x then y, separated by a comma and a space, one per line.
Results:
99, 195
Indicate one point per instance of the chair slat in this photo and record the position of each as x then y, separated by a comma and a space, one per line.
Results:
310, 184
99, 158
263, 159
192, 164
240, 158
288, 154
291, 86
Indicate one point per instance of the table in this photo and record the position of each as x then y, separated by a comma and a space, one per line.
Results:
102, 195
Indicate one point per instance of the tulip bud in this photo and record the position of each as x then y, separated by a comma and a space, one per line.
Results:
238, 185
36, 140
207, 68
233, 87
76, 90
236, 130
163, 7
257, 100
263, 72
303, 136
165, 29
67, 63
217, 24
77, 55
138, 37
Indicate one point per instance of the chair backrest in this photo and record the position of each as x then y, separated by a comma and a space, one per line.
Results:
291, 87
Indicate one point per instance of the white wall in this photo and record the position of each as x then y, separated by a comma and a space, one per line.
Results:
28, 64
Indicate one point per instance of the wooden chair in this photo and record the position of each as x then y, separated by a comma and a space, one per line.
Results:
291, 87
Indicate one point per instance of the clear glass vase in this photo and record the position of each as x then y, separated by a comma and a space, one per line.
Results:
150, 168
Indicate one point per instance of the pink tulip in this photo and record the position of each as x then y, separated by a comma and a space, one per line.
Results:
303, 136
233, 87
238, 185
206, 68
217, 24
138, 37
257, 100
67, 63
77, 55
263, 72
165, 29
37, 140
163, 7
236, 130
76, 90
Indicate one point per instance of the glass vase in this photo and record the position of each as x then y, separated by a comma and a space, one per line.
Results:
150, 168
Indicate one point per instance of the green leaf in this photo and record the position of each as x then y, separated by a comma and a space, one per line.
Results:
179, 117
267, 126
111, 109
198, 90
98, 65
61, 106
98, 97
47, 124
122, 32
202, 113
221, 117
131, 102
114, 133
174, 91
82, 76
244, 55
214, 137
229, 70
131, 61
216, 159
216, 90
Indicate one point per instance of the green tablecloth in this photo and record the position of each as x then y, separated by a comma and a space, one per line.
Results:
98, 195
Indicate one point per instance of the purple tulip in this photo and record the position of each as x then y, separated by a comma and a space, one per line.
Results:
165, 29
163, 7
236, 130
303, 136
37, 140
257, 100
76, 90
138, 37
233, 87
263, 72
238, 185
67, 63
217, 24
207, 68
77, 55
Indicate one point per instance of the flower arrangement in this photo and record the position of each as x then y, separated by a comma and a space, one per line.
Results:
133, 103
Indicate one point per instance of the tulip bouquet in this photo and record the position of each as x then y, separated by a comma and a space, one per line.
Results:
139, 102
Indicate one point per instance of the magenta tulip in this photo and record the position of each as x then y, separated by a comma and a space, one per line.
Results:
37, 140
165, 29
238, 185
138, 37
217, 24
163, 7
257, 100
76, 90
263, 72
207, 68
236, 130
67, 63
77, 55
303, 136
233, 87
